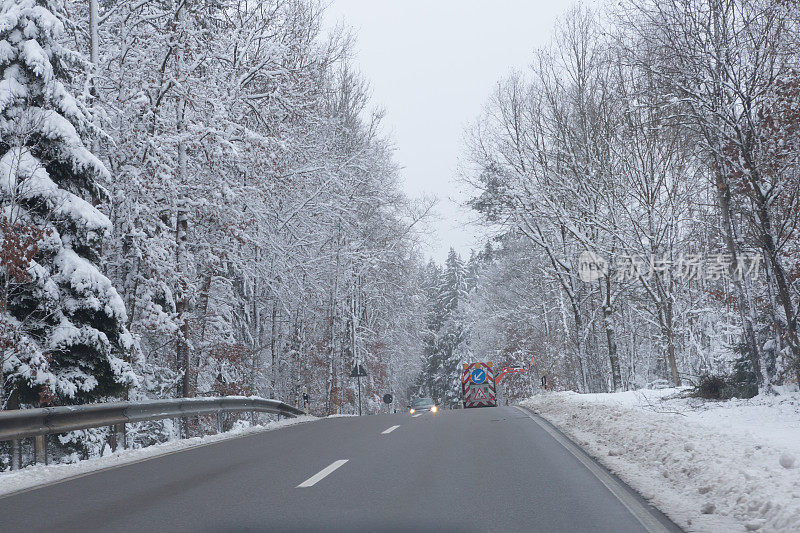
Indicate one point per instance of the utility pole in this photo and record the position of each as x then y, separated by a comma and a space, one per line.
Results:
359, 391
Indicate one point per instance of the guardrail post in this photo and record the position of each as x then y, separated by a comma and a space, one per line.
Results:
16, 452
118, 442
40, 449
252, 418
219, 422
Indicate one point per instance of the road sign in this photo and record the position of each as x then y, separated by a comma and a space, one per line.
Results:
478, 376
387, 398
478, 385
358, 371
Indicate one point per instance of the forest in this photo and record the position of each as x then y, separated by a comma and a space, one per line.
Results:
199, 199
642, 180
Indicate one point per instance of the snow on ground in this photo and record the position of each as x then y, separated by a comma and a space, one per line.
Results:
710, 466
37, 475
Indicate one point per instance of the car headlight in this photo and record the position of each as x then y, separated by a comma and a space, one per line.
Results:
434, 409
411, 411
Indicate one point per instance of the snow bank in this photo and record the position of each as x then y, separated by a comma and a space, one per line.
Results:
34, 476
710, 466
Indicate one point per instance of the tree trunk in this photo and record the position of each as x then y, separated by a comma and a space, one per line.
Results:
779, 273
203, 319
273, 346
744, 304
182, 225
611, 338
580, 347
669, 335
94, 57
723, 192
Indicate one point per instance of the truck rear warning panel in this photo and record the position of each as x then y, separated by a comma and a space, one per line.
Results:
477, 385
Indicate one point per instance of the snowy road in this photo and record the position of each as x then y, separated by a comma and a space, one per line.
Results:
475, 470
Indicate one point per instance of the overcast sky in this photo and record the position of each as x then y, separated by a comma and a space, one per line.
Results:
432, 65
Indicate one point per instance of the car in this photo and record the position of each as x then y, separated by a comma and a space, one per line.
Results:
422, 404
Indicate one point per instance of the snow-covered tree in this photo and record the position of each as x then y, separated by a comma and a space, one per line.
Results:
665, 136
66, 321
446, 290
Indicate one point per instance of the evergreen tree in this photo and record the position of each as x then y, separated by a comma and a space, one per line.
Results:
472, 270
452, 292
445, 331
63, 323
430, 361
454, 284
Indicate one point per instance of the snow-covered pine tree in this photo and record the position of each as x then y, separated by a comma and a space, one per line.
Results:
452, 292
64, 319
430, 362
454, 284
444, 333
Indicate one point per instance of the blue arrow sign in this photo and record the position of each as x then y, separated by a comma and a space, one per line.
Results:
478, 376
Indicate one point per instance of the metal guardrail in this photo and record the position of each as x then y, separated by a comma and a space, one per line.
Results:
37, 423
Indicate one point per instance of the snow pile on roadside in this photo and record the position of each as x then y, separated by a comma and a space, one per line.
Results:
710, 466
34, 476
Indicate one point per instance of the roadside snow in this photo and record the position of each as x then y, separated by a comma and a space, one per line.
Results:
710, 466
34, 476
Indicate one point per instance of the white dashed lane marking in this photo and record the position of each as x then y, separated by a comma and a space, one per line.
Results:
322, 474
385, 431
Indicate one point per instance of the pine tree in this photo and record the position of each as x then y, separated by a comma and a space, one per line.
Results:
445, 331
454, 284
63, 321
452, 292
430, 366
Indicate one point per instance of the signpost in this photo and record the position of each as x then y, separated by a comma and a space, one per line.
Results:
357, 372
387, 399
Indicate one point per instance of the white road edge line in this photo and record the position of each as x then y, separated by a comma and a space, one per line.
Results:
416, 415
322, 474
634, 506
387, 431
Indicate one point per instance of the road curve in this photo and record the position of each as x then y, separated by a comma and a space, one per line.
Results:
491, 469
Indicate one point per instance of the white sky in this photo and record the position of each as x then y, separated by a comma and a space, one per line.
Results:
432, 65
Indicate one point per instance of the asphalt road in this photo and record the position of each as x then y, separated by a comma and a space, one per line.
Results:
490, 469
